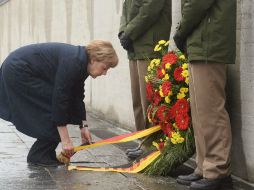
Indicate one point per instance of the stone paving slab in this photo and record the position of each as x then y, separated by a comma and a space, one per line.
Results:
15, 174
91, 180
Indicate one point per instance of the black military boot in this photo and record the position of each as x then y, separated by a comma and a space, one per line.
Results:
188, 179
212, 184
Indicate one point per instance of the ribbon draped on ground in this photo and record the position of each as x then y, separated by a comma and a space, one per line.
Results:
136, 166
121, 138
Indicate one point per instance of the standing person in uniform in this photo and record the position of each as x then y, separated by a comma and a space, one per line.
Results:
207, 34
42, 90
143, 24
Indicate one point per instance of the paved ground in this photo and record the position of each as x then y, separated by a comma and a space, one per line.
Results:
15, 174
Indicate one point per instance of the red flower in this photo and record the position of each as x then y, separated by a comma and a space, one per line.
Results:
172, 112
157, 98
178, 74
181, 106
162, 113
149, 91
167, 129
166, 87
160, 74
169, 58
182, 121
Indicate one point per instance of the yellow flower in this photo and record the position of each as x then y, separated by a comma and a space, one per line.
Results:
167, 99
180, 140
166, 44
157, 47
185, 66
166, 77
175, 135
180, 96
161, 42
168, 66
173, 141
187, 80
152, 62
184, 90
157, 61
149, 68
163, 71
146, 78
152, 65
182, 57
185, 73
176, 138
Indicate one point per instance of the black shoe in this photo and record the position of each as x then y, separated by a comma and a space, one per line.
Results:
188, 179
134, 153
212, 184
132, 150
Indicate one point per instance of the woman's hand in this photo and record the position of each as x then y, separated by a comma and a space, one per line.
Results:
86, 136
67, 148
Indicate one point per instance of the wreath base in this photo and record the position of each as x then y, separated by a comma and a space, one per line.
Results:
172, 155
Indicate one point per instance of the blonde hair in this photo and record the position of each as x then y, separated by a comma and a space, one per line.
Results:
102, 51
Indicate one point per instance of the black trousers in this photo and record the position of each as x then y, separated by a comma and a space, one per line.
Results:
43, 152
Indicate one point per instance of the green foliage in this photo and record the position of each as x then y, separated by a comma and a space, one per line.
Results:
172, 156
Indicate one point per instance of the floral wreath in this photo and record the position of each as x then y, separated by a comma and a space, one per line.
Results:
167, 86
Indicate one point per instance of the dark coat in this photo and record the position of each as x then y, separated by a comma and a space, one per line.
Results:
42, 87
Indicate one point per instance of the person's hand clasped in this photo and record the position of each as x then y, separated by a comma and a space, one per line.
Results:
68, 148
125, 41
179, 43
86, 136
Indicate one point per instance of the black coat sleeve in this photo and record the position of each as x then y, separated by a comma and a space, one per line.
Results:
77, 110
68, 75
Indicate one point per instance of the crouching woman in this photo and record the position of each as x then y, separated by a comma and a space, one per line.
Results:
42, 90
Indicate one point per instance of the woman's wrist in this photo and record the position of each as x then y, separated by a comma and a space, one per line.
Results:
64, 135
66, 143
83, 126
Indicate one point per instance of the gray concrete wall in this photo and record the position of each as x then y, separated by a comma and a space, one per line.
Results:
110, 95
240, 93
78, 21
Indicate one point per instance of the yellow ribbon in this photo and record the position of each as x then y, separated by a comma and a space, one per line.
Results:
136, 166
121, 138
